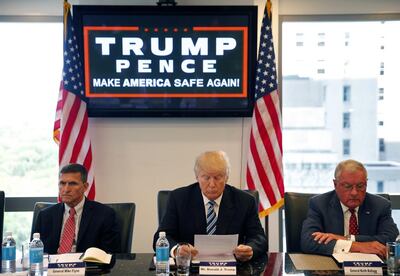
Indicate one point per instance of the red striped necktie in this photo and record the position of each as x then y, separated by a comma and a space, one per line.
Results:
68, 234
353, 225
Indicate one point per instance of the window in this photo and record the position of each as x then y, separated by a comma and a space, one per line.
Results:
346, 146
380, 186
299, 39
346, 93
31, 66
381, 95
353, 116
346, 120
381, 145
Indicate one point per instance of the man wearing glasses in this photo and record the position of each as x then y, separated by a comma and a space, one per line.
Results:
212, 207
348, 219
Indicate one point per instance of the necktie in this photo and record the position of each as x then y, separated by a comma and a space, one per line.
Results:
68, 234
353, 225
211, 218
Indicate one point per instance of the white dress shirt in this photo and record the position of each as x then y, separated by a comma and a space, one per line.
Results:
343, 246
78, 216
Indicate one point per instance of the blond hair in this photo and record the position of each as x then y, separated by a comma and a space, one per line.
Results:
212, 162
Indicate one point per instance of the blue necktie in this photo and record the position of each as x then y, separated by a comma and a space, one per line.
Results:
211, 218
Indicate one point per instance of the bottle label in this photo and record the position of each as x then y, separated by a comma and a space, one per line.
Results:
8, 253
36, 255
162, 254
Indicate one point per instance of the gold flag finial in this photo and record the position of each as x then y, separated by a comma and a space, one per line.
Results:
67, 7
269, 9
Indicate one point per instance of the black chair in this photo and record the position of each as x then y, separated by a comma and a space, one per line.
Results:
162, 199
126, 219
39, 206
296, 207
2, 205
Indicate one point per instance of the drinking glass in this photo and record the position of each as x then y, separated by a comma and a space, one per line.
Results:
393, 258
25, 256
183, 257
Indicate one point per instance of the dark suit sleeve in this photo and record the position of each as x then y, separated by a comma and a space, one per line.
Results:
314, 223
110, 238
254, 233
169, 223
386, 230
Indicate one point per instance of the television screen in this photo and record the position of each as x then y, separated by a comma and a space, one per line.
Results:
168, 61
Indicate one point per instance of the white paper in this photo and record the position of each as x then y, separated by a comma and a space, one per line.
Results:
216, 247
352, 257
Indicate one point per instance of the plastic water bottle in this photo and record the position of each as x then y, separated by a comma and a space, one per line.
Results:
162, 255
8, 253
36, 256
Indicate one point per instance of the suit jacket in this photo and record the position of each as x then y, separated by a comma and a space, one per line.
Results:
325, 214
98, 228
185, 217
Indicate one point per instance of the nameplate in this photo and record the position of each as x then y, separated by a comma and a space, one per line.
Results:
75, 268
362, 268
217, 268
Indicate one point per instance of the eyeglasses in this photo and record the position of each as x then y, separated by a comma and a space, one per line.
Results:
349, 187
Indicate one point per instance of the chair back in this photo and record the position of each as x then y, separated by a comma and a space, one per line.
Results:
39, 206
255, 194
296, 208
162, 199
125, 213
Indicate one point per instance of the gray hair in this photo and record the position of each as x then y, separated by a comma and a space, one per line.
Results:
349, 165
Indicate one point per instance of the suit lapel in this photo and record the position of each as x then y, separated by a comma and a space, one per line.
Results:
87, 214
226, 212
336, 216
364, 213
197, 208
58, 221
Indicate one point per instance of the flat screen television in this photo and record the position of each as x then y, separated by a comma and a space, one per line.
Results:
188, 61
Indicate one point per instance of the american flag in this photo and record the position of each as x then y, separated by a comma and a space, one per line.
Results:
71, 123
264, 164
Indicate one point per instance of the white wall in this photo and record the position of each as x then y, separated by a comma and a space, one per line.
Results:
137, 157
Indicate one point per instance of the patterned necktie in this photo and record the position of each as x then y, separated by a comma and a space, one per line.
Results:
211, 218
353, 225
68, 234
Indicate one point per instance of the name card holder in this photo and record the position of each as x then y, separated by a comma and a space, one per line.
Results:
217, 268
73, 268
362, 268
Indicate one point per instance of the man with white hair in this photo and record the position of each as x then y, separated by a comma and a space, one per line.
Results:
210, 206
348, 219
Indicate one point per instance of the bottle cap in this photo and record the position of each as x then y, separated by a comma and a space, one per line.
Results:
36, 235
161, 234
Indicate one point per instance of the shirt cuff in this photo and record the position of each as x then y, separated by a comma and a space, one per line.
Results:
342, 246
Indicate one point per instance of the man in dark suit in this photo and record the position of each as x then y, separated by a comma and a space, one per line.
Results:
235, 210
77, 223
348, 219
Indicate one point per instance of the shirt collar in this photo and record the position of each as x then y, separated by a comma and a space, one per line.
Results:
345, 208
78, 208
217, 200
